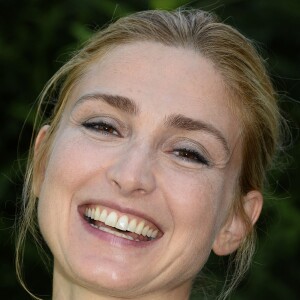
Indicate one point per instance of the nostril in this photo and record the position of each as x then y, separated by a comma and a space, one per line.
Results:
114, 182
131, 176
141, 191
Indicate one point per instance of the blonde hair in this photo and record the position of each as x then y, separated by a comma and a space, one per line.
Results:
234, 57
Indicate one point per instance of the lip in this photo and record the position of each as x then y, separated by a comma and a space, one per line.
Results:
112, 205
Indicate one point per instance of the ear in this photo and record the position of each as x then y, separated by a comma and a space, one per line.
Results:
39, 164
235, 229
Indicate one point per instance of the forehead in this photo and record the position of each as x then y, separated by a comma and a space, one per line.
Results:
155, 70
156, 64
162, 80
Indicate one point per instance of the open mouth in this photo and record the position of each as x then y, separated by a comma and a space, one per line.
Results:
121, 225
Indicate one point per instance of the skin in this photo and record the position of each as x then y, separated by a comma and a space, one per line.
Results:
137, 166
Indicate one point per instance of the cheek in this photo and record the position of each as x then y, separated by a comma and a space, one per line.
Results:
197, 204
197, 192
197, 209
67, 170
72, 162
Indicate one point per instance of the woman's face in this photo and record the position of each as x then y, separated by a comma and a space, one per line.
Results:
141, 173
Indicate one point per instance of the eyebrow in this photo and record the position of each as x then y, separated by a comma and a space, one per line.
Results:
185, 123
177, 121
120, 102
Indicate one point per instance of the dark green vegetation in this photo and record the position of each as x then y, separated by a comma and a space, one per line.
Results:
34, 40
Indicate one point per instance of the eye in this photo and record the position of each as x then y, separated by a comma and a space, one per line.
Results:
101, 127
191, 156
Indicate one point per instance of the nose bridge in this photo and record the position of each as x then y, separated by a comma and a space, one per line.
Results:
136, 157
132, 169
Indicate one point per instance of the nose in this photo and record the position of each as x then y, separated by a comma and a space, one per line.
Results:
132, 172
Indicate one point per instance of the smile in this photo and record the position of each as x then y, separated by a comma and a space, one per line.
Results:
121, 225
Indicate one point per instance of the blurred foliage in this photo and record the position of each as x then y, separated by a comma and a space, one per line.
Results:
36, 37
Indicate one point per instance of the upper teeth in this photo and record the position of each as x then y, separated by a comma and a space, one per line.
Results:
121, 222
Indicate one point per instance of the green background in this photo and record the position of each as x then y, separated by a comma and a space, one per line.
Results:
35, 38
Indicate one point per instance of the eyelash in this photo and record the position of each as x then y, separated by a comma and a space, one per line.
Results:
191, 156
183, 153
102, 127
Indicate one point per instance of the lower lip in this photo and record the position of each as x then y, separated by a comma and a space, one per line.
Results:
113, 239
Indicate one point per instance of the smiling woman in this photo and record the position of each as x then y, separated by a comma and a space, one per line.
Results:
154, 155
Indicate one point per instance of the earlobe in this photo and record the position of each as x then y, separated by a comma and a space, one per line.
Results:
39, 163
238, 225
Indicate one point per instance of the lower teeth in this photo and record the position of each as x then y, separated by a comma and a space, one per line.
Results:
119, 234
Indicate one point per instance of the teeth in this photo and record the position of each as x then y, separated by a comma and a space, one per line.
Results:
103, 216
149, 232
132, 225
112, 219
93, 214
154, 234
145, 230
97, 214
140, 227
125, 236
122, 223
89, 213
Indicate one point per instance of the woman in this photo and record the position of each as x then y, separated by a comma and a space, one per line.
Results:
154, 154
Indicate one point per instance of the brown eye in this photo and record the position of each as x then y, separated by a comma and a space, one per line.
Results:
101, 127
191, 155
